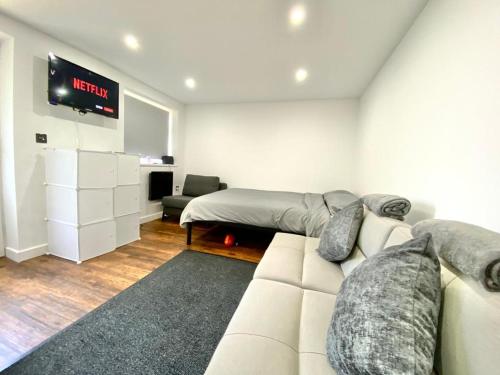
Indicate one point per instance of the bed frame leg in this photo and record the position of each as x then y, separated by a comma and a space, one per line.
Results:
189, 229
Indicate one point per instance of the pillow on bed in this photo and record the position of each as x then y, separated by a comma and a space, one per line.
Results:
340, 233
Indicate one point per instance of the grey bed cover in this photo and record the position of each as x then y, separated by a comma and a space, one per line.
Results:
301, 213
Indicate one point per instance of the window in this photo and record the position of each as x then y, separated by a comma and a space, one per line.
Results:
146, 128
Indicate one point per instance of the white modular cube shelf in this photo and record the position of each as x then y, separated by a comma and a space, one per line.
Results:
127, 169
79, 206
92, 202
79, 243
127, 229
126, 200
80, 169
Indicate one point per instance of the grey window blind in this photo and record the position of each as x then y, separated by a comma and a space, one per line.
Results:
146, 128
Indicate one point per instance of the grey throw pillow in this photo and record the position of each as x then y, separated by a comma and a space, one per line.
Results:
340, 233
338, 199
386, 314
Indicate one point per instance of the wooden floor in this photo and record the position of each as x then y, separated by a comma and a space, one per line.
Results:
43, 295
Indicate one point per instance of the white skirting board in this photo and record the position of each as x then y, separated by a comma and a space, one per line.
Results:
151, 217
25, 254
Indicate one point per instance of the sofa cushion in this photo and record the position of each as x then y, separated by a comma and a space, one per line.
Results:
355, 259
252, 355
316, 315
269, 309
196, 185
398, 236
340, 233
176, 201
293, 259
394, 294
374, 233
283, 264
294, 241
321, 275
469, 335
314, 364
288, 327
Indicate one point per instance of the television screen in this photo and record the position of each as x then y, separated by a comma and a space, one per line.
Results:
81, 89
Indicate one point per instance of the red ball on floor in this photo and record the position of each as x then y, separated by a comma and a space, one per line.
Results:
229, 240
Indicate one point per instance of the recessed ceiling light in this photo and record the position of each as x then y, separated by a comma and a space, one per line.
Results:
190, 83
297, 15
301, 75
131, 42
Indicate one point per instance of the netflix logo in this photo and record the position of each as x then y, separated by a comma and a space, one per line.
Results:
80, 84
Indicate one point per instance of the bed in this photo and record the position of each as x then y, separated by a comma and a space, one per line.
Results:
301, 213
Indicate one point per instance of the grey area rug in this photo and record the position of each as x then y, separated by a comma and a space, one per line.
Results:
170, 322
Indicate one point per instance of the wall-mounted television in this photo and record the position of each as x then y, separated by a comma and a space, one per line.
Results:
83, 90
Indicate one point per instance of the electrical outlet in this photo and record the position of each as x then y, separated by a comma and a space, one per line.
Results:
177, 188
40, 138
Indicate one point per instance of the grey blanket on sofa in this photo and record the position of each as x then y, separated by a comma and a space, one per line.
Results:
302, 213
473, 250
387, 205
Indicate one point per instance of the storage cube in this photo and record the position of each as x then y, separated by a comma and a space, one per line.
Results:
61, 167
87, 212
127, 229
79, 206
81, 243
126, 200
96, 170
78, 168
97, 239
127, 169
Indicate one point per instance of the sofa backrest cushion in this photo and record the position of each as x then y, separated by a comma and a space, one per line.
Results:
375, 232
374, 235
355, 259
196, 185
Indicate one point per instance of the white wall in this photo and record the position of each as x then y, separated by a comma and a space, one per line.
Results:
430, 121
25, 197
297, 146
7, 141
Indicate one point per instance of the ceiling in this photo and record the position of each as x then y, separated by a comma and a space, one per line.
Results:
236, 50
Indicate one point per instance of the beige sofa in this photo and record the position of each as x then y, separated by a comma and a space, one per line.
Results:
280, 326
